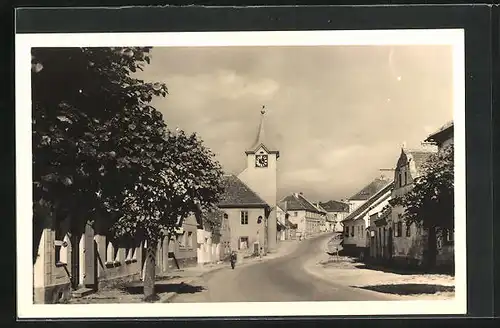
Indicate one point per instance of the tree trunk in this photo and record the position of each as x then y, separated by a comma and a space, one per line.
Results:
431, 248
150, 272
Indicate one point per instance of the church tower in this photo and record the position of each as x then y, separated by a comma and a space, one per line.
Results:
260, 176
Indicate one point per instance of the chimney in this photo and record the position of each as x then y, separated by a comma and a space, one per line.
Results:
296, 195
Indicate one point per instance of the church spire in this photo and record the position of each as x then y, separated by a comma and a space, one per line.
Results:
261, 136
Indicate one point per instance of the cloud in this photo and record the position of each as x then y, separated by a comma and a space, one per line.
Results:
327, 109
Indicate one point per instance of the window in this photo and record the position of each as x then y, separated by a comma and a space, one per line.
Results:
408, 230
190, 239
335, 216
400, 228
295, 213
400, 179
244, 217
448, 236
347, 231
243, 244
406, 178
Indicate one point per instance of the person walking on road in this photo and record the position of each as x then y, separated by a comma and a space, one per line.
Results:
233, 259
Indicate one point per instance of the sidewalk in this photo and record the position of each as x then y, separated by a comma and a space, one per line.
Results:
402, 286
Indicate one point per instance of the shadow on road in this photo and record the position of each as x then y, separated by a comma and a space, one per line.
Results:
179, 288
401, 271
409, 289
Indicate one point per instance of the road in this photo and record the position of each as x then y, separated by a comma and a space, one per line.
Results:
278, 280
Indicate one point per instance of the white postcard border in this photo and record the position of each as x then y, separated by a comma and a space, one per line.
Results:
26, 308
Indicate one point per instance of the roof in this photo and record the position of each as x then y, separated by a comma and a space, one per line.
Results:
335, 206
261, 140
366, 205
238, 195
371, 189
419, 157
443, 133
297, 202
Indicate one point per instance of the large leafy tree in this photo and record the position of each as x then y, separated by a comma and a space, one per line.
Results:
430, 203
189, 182
101, 152
85, 148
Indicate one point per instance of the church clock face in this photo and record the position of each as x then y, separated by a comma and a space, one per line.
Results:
261, 161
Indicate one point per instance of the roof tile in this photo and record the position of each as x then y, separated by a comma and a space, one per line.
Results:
238, 194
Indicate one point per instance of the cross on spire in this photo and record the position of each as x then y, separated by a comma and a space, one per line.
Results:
261, 135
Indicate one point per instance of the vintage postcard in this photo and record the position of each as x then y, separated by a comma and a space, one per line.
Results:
289, 173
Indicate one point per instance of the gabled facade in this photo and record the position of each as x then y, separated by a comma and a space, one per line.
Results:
308, 217
408, 240
335, 212
245, 213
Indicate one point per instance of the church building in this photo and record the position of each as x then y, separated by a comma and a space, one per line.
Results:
260, 176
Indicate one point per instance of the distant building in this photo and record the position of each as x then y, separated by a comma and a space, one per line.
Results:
308, 217
287, 230
336, 212
366, 193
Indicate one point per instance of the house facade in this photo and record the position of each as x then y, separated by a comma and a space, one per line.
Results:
381, 236
308, 218
336, 212
74, 264
356, 235
408, 240
213, 237
245, 213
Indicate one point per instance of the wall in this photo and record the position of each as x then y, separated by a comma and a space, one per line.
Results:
254, 231
263, 181
185, 245
335, 218
51, 283
354, 204
360, 226
406, 248
115, 261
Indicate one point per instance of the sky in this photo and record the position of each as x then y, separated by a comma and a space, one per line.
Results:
337, 114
